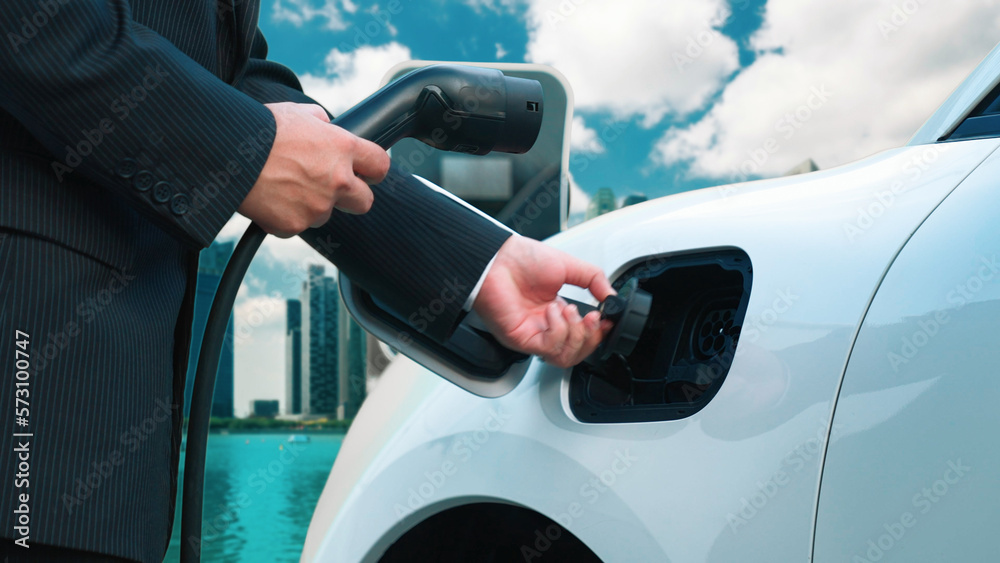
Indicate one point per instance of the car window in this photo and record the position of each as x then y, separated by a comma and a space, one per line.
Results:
983, 122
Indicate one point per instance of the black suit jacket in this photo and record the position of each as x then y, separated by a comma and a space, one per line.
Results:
130, 131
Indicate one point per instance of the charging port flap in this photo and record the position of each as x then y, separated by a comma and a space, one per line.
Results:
471, 358
682, 357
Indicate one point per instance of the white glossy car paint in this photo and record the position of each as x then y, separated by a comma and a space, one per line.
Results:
691, 490
913, 476
830, 440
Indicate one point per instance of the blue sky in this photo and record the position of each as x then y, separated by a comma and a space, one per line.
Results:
711, 91
473, 31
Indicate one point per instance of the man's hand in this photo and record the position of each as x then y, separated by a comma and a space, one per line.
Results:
313, 168
519, 303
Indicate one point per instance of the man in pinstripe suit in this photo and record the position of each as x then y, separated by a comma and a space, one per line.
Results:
130, 132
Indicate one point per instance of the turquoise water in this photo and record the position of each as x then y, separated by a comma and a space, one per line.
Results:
260, 492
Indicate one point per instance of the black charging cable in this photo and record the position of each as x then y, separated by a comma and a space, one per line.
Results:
456, 108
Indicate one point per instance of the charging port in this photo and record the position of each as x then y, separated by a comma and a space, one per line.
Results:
684, 354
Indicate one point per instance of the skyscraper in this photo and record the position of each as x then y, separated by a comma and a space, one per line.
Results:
353, 384
602, 202
320, 306
264, 408
293, 358
633, 199
211, 264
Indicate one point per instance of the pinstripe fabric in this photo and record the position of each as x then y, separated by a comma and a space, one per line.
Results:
425, 276
130, 131
95, 87
101, 391
46, 554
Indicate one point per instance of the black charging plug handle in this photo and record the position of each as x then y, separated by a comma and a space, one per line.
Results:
629, 311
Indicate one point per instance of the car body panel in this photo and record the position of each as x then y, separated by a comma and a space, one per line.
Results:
913, 475
716, 486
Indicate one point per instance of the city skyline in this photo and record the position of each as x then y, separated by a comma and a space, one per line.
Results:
320, 343
211, 264
683, 101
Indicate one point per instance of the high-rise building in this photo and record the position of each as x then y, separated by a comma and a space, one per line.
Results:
293, 357
353, 384
602, 202
320, 306
211, 264
806, 166
264, 408
633, 199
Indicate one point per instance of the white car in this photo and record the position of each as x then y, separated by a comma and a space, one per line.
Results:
819, 380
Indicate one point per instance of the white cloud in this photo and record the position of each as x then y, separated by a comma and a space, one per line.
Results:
255, 313
299, 12
498, 6
292, 255
834, 80
352, 76
234, 228
579, 201
644, 58
381, 17
584, 139
501, 52
259, 334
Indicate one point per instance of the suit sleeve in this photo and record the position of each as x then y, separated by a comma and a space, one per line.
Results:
416, 250
270, 82
118, 104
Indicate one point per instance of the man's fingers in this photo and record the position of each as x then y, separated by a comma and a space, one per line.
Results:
319, 222
587, 339
371, 162
554, 338
581, 338
584, 274
356, 200
576, 335
594, 335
